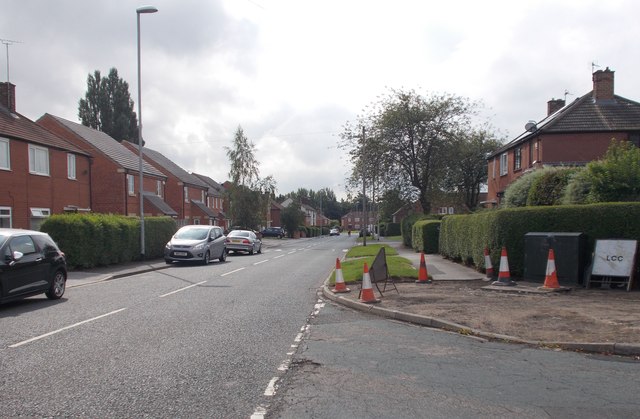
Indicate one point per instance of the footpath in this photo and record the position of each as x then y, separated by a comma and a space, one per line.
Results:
461, 300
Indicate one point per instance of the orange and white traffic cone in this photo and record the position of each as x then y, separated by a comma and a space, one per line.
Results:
488, 267
551, 278
504, 276
366, 294
423, 275
340, 286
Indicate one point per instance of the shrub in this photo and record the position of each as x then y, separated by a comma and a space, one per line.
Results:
425, 236
548, 187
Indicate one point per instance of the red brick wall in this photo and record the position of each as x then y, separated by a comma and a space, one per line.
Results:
21, 190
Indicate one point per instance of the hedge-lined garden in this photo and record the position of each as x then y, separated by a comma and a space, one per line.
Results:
464, 237
90, 240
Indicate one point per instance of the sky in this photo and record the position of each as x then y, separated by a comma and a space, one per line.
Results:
292, 73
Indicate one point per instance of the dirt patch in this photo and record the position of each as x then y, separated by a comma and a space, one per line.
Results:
580, 315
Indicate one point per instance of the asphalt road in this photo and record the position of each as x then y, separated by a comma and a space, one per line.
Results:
355, 365
187, 341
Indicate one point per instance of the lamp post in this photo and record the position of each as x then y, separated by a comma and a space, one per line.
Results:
139, 10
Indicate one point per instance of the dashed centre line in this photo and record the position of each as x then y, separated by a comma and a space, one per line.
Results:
232, 272
182, 289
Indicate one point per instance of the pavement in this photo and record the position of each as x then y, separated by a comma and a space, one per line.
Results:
440, 269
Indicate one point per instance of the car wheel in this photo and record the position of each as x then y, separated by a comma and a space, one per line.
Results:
58, 285
223, 256
251, 250
207, 258
260, 249
168, 262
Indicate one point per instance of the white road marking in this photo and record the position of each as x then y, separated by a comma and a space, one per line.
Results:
279, 256
262, 261
182, 289
293, 251
232, 272
24, 342
271, 388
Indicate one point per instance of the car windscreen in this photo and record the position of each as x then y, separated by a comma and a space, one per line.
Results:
191, 234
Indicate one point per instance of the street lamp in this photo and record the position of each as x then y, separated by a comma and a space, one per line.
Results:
139, 10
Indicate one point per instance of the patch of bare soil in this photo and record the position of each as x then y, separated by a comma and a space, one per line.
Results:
580, 315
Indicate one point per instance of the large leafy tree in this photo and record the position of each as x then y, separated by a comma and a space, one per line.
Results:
466, 164
250, 195
107, 107
409, 144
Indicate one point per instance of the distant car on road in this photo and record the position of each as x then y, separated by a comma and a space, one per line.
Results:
243, 241
334, 232
199, 243
273, 232
31, 263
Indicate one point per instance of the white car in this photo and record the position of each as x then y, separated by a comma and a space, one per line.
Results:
334, 232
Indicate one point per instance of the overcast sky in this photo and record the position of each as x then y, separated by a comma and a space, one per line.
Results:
293, 72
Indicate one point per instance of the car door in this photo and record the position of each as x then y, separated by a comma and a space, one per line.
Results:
26, 273
216, 244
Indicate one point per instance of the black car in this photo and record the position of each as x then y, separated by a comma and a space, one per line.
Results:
273, 232
30, 263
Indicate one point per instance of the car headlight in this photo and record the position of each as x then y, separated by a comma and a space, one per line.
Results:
198, 246
168, 246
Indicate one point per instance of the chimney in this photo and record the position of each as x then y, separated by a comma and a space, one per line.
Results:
553, 105
603, 85
8, 96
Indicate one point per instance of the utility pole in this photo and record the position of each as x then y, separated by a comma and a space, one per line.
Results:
364, 192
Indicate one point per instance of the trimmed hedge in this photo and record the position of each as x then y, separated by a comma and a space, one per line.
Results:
425, 236
464, 237
406, 227
90, 240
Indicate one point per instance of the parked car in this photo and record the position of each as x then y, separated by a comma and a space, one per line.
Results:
273, 232
243, 241
334, 231
199, 243
31, 263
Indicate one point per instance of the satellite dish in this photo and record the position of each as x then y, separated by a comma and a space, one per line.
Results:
531, 126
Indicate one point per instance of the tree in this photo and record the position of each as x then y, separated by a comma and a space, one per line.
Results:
292, 217
108, 107
407, 141
466, 169
617, 176
244, 166
249, 196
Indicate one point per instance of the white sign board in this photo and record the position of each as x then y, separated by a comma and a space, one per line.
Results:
614, 257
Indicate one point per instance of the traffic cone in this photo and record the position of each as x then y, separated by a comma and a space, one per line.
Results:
340, 285
488, 267
423, 276
551, 279
504, 276
366, 294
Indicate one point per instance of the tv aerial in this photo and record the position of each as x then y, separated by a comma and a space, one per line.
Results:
8, 42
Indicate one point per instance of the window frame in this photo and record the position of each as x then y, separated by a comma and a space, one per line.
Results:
6, 213
517, 159
504, 164
71, 166
5, 154
36, 154
131, 185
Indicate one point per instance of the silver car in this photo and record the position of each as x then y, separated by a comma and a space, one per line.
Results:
243, 241
199, 243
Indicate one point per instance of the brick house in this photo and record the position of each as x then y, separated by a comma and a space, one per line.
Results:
114, 172
40, 173
274, 218
354, 220
184, 192
216, 198
570, 135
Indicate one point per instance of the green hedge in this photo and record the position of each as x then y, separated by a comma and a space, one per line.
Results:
406, 227
425, 236
464, 237
390, 229
90, 240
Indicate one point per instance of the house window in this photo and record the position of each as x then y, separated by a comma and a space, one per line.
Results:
186, 194
517, 159
5, 157
504, 169
38, 160
131, 185
5, 217
71, 166
38, 215
159, 188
